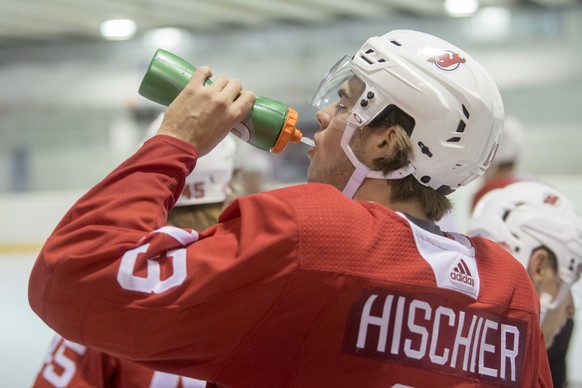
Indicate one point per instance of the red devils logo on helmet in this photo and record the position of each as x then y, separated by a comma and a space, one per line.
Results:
551, 199
447, 60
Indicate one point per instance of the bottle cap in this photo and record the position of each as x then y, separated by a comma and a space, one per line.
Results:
289, 133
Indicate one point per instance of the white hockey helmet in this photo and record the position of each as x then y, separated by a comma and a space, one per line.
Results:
210, 179
527, 215
511, 142
456, 106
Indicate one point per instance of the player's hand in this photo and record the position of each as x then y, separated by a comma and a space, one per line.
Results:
203, 115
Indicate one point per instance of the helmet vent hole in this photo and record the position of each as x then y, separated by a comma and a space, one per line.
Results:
367, 60
371, 56
395, 43
455, 139
465, 111
505, 215
461, 126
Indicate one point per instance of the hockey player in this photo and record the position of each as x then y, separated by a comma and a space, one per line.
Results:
541, 228
504, 168
345, 281
72, 365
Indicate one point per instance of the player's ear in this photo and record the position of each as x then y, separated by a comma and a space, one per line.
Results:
384, 141
540, 266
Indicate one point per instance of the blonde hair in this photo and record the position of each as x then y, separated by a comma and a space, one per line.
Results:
197, 217
434, 204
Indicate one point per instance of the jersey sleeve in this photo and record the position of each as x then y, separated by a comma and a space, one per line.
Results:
114, 278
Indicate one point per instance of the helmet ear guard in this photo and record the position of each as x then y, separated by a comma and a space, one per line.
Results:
457, 108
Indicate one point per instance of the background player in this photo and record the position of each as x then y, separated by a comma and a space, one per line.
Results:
541, 228
504, 168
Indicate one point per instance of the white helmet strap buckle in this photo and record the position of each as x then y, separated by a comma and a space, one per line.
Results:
547, 302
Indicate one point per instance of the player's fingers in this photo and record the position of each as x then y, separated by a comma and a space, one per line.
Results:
244, 104
232, 89
219, 83
201, 75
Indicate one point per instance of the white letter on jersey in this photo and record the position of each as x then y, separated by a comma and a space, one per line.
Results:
395, 348
167, 380
440, 311
378, 321
414, 328
152, 283
509, 353
59, 358
487, 348
462, 341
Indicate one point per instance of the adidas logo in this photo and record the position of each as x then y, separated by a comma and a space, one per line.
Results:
461, 274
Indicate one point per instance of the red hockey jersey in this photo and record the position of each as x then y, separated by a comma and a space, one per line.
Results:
297, 287
72, 365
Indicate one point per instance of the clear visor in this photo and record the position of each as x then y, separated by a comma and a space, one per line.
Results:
339, 90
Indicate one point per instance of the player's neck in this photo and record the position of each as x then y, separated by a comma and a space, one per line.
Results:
378, 191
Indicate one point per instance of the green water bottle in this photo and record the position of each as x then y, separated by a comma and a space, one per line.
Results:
270, 126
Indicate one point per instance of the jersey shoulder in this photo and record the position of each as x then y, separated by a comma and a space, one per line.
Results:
505, 280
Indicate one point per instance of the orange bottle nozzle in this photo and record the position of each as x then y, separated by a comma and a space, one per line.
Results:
289, 133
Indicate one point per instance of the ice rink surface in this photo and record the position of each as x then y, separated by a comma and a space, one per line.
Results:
24, 338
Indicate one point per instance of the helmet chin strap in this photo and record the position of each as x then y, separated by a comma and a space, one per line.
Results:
547, 302
362, 171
